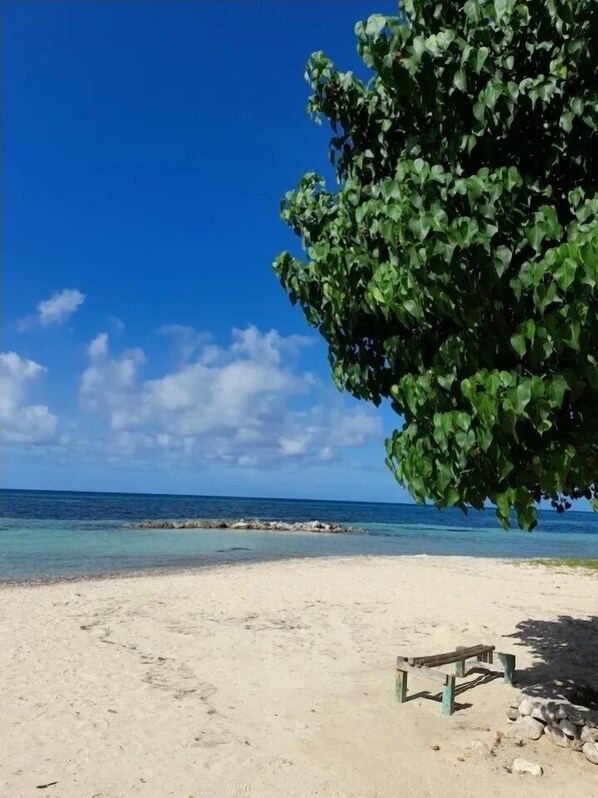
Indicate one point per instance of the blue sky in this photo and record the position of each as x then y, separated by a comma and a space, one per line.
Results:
147, 344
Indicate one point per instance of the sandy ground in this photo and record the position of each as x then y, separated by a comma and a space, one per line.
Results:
277, 680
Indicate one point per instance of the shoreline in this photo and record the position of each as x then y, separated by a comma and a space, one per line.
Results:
12, 584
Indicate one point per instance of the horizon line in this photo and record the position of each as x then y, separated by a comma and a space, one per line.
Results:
264, 498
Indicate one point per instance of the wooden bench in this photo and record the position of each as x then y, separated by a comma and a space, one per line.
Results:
424, 666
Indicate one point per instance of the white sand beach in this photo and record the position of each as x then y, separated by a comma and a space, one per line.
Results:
276, 680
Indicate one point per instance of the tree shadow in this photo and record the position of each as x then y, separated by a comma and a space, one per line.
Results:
565, 651
485, 676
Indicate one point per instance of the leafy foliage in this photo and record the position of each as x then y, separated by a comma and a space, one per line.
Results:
454, 268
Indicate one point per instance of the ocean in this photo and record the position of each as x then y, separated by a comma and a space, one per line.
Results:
55, 534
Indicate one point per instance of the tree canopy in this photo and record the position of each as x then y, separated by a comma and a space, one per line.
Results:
453, 268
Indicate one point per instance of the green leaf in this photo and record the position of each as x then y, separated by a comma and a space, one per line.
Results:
502, 259
463, 421
412, 308
420, 227
528, 328
518, 344
375, 25
465, 439
419, 47
503, 505
524, 395
573, 338
485, 438
480, 58
500, 8
566, 121
528, 518
446, 381
460, 81
555, 391
452, 497
479, 111
513, 90
565, 274
468, 389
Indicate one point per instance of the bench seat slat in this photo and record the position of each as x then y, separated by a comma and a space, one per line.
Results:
450, 656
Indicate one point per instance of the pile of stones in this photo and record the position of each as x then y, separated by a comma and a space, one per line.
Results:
255, 523
566, 725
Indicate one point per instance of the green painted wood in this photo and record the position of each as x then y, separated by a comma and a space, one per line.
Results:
508, 663
401, 687
448, 695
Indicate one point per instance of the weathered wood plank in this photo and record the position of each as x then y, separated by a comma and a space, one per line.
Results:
426, 673
450, 656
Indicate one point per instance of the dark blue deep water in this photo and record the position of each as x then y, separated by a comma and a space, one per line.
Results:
47, 534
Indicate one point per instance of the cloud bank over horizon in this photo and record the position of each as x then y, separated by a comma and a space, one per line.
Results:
248, 403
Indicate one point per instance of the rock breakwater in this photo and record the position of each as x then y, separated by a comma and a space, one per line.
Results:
255, 523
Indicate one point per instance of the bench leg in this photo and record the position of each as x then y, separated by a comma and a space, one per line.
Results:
460, 666
508, 663
401, 686
448, 696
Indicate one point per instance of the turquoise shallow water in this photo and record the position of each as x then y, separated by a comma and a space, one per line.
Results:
59, 534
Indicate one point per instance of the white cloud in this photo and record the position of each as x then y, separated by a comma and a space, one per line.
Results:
187, 339
111, 385
99, 346
22, 423
55, 310
117, 324
247, 404
353, 429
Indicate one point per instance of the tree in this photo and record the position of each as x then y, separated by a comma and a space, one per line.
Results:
453, 269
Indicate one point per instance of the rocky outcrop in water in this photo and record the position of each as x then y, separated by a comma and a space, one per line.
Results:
256, 523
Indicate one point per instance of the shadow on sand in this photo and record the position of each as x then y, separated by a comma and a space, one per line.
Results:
565, 654
484, 677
